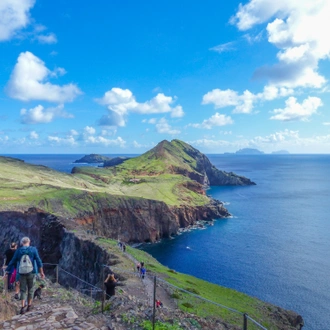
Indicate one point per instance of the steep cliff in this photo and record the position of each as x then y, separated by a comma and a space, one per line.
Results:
84, 256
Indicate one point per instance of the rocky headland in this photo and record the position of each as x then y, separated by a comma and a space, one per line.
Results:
92, 159
143, 199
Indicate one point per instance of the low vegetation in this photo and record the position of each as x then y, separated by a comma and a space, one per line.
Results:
192, 304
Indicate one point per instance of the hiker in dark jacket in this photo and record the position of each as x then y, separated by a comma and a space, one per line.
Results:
110, 285
7, 259
27, 262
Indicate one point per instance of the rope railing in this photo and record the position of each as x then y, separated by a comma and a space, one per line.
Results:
155, 279
246, 317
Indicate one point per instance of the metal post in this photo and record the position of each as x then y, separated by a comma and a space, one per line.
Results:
245, 321
154, 306
56, 274
103, 287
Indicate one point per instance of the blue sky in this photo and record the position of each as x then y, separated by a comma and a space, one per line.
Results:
120, 76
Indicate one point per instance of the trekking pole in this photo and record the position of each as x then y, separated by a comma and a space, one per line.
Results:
5, 285
154, 307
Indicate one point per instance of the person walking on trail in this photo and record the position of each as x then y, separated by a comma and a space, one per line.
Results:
28, 262
110, 285
138, 266
124, 247
7, 259
143, 272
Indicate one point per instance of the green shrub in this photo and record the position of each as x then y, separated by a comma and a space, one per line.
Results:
147, 325
192, 290
187, 305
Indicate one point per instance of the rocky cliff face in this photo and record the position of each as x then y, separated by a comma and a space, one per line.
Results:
208, 174
55, 244
143, 220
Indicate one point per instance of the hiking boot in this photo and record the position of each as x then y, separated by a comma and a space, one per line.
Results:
29, 308
16, 296
22, 310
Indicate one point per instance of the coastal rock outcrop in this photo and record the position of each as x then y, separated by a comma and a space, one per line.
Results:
92, 158
195, 165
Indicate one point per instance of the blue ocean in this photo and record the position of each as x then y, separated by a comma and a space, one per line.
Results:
276, 244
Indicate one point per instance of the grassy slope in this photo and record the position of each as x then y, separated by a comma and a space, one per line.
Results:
246, 304
26, 185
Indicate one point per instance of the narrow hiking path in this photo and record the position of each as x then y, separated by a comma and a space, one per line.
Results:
148, 284
58, 309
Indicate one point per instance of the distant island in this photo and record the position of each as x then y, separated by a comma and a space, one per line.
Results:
92, 158
249, 151
281, 152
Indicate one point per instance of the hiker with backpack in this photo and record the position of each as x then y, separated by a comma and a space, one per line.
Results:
28, 262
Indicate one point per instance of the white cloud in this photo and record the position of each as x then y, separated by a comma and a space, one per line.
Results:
164, 127
14, 16
297, 28
297, 111
121, 102
326, 123
73, 132
69, 140
40, 115
4, 139
223, 98
28, 82
216, 120
47, 38
243, 103
34, 135
89, 130
104, 141
224, 47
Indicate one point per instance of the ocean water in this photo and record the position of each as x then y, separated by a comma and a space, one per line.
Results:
63, 163
275, 247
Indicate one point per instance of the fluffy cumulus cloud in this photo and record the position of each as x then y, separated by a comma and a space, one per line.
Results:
90, 136
297, 28
215, 120
68, 140
163, 127
29, 81
104, 141
121, 102
40, 115
297, 111
47, 38
243, 103
89, 130
223, 98
14, 15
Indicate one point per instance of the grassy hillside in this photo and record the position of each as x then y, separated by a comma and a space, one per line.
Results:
26, 185
262, 312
